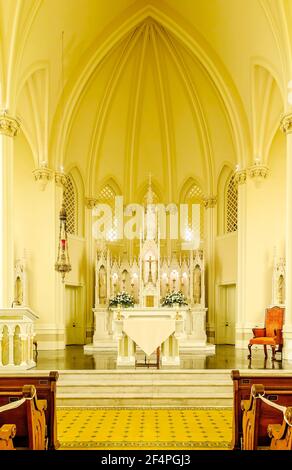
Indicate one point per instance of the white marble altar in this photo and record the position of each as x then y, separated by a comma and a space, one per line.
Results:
148, 276
147, 328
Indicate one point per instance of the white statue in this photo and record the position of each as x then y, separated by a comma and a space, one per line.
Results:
197, 285
102, 285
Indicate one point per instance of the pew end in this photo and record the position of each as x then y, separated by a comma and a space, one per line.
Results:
7, 433
28, 416
46, 385
281, 434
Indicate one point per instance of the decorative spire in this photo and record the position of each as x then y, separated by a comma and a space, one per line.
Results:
151, 228
150, 193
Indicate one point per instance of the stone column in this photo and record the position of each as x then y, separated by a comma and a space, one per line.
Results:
240, 179
11, 330
24, 358
9, 128
210, 231
90, 270
286, 127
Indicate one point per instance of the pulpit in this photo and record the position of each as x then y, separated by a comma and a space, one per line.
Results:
16, 338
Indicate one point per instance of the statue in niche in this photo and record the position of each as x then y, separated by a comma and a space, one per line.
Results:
102, 285
125, 275
281, 288
18, 296
197, 285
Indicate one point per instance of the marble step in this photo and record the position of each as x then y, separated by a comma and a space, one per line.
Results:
147, 400
145, 375
145, 387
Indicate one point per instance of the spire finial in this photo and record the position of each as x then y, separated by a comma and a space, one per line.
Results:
150, 194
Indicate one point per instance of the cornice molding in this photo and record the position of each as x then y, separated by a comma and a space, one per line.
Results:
8, 125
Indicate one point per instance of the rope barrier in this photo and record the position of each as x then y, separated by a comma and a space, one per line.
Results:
274, 405
15, 404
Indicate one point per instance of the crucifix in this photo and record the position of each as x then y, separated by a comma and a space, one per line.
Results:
150, 272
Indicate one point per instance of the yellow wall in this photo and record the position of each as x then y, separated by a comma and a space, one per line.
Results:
265, 230
76, 247
226, 259
34, 223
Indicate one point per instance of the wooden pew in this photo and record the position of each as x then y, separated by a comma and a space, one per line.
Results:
258, 415
29, 418
45, 385
281, 434
7, 433
242, 383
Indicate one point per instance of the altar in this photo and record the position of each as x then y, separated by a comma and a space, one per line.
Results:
147, 329
148, 276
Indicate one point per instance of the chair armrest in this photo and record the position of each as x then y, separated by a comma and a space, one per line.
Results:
258, 332
279, 336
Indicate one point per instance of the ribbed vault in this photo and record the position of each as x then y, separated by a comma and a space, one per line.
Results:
150, 107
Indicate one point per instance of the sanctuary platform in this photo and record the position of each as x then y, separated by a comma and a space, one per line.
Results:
201, 380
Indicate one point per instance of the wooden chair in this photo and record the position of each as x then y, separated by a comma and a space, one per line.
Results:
45, 385
29, 418
271, 335
7, 433
281, 434
242, 383
148, 363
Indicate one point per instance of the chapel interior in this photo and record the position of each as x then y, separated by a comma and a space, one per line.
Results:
108, 110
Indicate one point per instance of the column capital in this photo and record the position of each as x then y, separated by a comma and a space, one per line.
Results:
90, 202
240, 177
42, 176
210, 202
286, 123
8, 125
258, 171
60, 179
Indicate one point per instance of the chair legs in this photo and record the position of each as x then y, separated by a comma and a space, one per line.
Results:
266, 352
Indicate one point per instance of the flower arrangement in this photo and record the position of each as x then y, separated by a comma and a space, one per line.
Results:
122, 298
175, 297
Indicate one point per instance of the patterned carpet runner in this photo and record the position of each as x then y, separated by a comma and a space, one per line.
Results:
144, 428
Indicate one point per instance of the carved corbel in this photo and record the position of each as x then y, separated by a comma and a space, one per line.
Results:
258, 171
42, 176
210, 202
240, 177
8, 125
286, 123
60, 179
90, 202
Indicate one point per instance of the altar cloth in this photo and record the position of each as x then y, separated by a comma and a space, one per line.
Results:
149, 333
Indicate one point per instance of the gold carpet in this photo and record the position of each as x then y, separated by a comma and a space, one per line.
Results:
144, 428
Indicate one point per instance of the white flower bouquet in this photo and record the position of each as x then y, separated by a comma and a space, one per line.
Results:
173, 298
122, 298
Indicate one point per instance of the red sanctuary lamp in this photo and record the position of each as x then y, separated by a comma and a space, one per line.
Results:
62, 264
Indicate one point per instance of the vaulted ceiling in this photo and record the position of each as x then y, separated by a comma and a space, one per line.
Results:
175, 88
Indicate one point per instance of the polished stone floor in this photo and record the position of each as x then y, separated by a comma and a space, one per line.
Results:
226, 357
